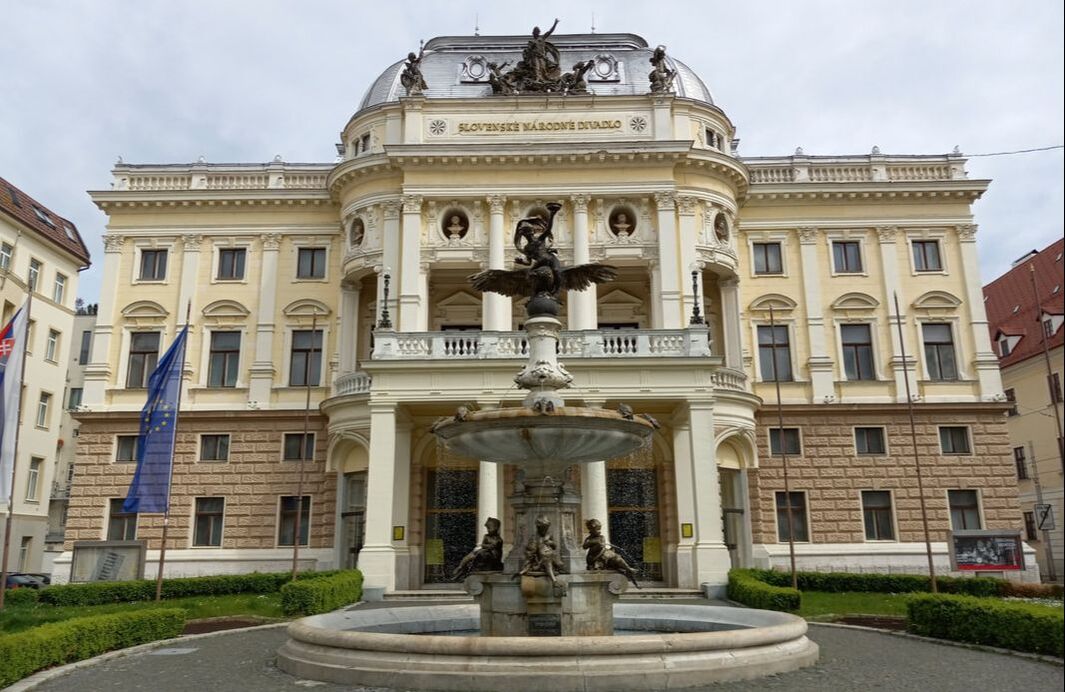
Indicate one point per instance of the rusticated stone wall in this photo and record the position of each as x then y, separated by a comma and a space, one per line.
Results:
833, 475
251, 481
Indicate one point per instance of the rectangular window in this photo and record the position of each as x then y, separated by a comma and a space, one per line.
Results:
153, 265
214, 448
1011, 397
34, 274
33, 479
1054, 382
939, 352
774, 353
305, 362
926, 256
43, 405
869, 441
767, 258
231, 264
1021, 462
1029, 527
954, 439
847, 256
60, 290
798, 516
964, 510
876, 511
311, 263
292, 447
1004, 347
286, 524
121, 525
224, 360
51, 347
24, 553
208, 521
86, 345
5, 256
125, 449
792, 444
857, 351
143, 355
74, 400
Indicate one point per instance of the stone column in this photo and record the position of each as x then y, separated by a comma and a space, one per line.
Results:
594, 504
730, 323
98, 371
669, 287
390, 259
348, 326
687, 257
984, 360
496, 309
401, 503
582, 304
262, 367
409, 286
377, 560
889, 260
822, 377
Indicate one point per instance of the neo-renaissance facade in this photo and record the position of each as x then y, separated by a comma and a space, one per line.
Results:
286, 267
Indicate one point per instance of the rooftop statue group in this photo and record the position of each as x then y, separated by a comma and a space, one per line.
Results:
539, 71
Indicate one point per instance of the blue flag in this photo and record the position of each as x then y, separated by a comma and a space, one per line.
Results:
150, 490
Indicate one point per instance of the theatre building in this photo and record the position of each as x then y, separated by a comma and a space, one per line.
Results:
351, 277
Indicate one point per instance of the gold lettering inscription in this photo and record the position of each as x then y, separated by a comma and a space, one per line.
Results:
471, 128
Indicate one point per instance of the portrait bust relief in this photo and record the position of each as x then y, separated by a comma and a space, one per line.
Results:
454, 224
622, 222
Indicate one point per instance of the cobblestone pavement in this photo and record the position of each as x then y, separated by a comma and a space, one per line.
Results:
850, 660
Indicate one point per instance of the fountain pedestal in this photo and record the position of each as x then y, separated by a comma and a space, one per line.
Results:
529, 606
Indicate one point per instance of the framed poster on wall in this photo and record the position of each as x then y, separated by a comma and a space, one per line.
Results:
107, 561
988, 550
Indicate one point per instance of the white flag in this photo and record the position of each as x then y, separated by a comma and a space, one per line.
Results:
12, 354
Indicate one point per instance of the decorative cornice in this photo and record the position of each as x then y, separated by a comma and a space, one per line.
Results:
967, 232
390, 209
191, 242
886, 234
412, 204
686, 204
807, 235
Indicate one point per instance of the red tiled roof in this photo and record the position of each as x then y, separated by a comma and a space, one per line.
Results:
1011, 305
32, 214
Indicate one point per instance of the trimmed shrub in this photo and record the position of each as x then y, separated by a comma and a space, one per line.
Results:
1018, 589
24, 653
16, 597
321, 594
837, 582
1005, 624
98, 593
748, 587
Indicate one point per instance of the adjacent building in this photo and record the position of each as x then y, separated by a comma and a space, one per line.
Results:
1026, 309
40, 253
350, 278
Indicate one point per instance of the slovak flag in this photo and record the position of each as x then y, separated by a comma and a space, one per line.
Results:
12, 354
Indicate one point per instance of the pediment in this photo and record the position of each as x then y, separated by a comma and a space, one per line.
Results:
460, 299
855, 301
225, 309
306, 307
936, 300
619, 297
144, 309
777, 301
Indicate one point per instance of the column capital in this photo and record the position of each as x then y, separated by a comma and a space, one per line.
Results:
271, 241
966, 232
350, 286
496, 203
665, 200
191, 242
807, 235
114, 243
390, 209
886, 234
686, 204
412, 204
729, 283
580, 203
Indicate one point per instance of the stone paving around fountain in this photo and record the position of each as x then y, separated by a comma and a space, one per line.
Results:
243, 661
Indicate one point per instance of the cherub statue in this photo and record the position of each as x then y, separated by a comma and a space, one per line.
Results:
541, 554
661, 76
411, 78
601, 555
487, 557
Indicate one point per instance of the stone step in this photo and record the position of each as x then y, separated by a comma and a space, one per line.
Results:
660, 593
456, 595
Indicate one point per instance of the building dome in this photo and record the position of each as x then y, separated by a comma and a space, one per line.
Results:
457, 67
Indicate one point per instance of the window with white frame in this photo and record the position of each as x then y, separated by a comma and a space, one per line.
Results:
792, 515
207, 531
125, 449
121, 525
224, 359
34, 274
214, 447
153, 265
33, 479
847, 256
767, 258
857, 341
286, 520
877, 515
954, 439
51, 346
869, 440
43, 405
792, 442
964, 510
143, 356
305, 360
231, 263
926, 256
310, 263
774, 353
940, 359
74, 400
59, 291
6, 251
1021, 463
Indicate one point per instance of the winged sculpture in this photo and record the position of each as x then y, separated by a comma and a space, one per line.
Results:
541, 276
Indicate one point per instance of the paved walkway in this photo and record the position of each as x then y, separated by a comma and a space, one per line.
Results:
242, 661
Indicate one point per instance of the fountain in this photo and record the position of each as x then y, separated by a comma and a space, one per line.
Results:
546, 614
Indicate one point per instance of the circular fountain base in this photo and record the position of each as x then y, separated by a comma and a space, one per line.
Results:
438, 648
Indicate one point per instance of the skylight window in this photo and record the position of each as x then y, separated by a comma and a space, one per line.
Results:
43, 217
69, 230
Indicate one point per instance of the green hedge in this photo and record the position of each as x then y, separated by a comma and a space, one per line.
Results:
24, 653
20, 596
312, 596
1005, 624
836, 582
748, 587
98, 593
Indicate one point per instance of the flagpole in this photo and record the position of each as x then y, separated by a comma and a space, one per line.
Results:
303, 450
783, 451
173, 444
14, 452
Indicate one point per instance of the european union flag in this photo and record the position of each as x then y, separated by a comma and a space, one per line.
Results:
150, 490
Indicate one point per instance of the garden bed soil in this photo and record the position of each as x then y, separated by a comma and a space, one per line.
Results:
223, 623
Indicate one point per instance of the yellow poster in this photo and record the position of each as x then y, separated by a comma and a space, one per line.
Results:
434, 551
652, 549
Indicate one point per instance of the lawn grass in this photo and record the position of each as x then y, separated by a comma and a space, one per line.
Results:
818, 604
21, 617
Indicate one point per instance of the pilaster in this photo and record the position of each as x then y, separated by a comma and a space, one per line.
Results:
687, 257
348, 326
262, 367
668, 280
377, 560
820, 363
889, 261
582, 304
390, 257
496, 309
730, 321
98, 371
985, 362
412, 312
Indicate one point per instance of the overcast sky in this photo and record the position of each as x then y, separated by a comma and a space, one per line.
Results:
160, 81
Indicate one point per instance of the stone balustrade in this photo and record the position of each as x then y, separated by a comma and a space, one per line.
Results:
855, 169
352, 383
276, 176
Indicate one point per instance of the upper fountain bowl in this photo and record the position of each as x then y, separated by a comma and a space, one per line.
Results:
567, 434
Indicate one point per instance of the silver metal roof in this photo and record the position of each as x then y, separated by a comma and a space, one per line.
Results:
453, 66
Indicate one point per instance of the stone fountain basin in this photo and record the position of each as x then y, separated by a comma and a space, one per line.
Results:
519, 435
438, 648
